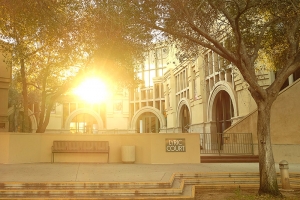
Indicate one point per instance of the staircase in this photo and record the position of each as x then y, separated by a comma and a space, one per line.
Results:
180, 186
230, 159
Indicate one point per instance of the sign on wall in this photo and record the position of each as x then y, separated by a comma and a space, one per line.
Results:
175, 145
118, 106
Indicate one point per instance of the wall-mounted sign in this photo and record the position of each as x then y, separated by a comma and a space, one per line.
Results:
175, 145
118, 106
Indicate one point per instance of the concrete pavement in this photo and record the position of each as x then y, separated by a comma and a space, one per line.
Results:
94, 172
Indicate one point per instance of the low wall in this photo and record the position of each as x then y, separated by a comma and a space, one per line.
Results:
288, 152
150, 148
285, 126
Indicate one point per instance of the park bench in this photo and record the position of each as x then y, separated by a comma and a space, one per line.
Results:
80, 147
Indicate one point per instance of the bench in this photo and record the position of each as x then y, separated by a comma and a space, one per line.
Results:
80, 147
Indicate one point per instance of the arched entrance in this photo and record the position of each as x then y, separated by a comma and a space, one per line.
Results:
222, 108
138, 116
84, 123
148, 123
185, 119
222, 91
224, 111
223, 114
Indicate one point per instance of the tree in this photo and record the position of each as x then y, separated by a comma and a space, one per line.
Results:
48, 38
31, 29
253, 27
15, 101
111, 51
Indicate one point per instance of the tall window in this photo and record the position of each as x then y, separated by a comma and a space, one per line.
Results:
154, 65
216, 69
182, 85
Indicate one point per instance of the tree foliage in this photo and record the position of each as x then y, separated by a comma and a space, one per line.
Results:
119, 42
47, 40
40, 36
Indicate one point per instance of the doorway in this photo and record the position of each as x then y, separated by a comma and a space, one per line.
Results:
148, 123
224, 111
84, 123
185, 119
223, 116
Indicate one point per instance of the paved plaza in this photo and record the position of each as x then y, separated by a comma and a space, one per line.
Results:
96, 172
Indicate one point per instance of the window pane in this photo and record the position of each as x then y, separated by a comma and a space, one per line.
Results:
152, 75
152, 60
152, 66
146, 78
140, 75
160, 72
146, 65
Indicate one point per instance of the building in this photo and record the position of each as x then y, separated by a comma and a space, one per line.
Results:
206, 94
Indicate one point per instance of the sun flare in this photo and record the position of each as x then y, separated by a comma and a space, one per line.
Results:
92, 90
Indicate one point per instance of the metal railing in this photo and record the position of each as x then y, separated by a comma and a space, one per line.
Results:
226, 143
101, 131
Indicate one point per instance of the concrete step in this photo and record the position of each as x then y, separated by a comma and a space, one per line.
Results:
85, 185
217, 175
180, 186
114, 190
95, 192
230, 159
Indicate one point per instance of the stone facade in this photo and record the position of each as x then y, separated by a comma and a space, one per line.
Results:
5, 77
206, 94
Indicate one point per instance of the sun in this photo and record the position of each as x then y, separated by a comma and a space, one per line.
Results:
92, 90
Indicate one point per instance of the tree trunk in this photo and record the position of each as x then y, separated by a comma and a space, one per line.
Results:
25, 97
46, 113
43, 123
42, 113
16, 118
45, 119
268, 177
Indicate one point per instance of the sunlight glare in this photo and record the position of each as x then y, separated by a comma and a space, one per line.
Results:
92, 90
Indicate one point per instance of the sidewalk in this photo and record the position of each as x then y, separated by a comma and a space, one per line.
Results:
65, 172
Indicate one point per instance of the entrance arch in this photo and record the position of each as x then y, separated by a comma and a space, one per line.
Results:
222, 108
146, 113
184, 116
148, 123
211, 109
223, 111
87, 121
